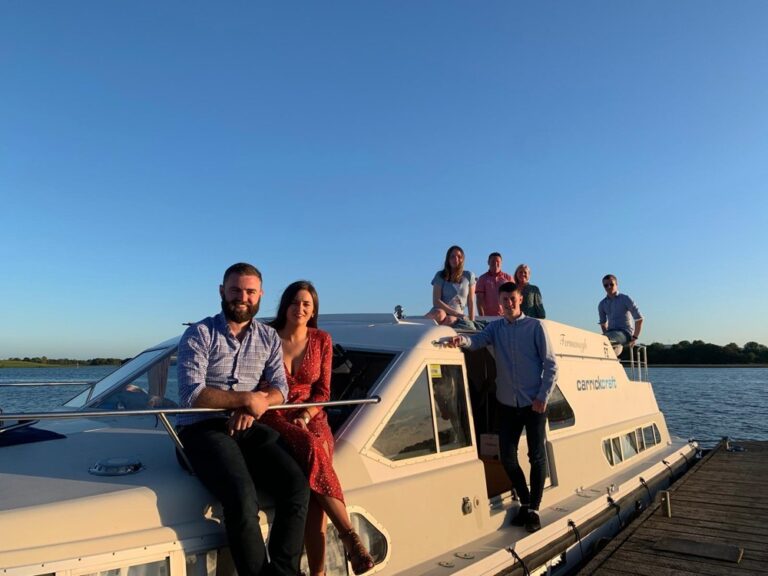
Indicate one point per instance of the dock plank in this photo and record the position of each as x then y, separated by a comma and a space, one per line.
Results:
719, 506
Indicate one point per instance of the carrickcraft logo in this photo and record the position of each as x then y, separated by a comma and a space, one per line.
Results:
580, 345
596, 384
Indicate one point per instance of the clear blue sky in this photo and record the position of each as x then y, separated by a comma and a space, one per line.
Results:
145, 146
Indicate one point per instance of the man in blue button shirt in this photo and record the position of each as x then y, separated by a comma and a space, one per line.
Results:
620, 319
221, 362
526, 374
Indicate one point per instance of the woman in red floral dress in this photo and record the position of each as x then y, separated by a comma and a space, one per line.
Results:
308, 353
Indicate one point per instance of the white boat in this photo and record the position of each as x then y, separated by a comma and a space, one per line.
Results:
100, 491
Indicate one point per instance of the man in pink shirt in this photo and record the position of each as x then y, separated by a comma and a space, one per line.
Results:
487, 288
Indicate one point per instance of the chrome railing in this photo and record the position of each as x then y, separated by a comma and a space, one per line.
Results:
638, 363
82, 383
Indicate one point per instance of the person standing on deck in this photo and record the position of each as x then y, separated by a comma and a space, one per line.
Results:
221, 361
526, 376
487, 287
617, 312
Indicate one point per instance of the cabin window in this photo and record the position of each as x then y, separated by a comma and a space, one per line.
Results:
409, 432
608, 451
450, 406
630, 444
433, 417
639, 439
559, 412
354, 375
157, 568
616, 443
210, 563
335, 556
649, 436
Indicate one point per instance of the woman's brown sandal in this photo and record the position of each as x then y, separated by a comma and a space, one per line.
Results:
358, 556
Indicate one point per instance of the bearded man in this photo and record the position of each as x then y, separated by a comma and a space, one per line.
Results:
221, 362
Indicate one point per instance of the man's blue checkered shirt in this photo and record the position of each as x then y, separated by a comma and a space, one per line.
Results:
210, 355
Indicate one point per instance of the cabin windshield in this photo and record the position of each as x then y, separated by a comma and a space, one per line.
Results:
150, 381
146, 381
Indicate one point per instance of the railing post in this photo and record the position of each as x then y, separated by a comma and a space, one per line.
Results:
176, 440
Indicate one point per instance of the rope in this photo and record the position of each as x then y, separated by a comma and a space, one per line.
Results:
572, 525
671, 472
613, 504
645, 485
517, 557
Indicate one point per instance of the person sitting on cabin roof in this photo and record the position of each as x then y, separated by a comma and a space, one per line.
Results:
526, 376
221, 361
453, 289
616, 312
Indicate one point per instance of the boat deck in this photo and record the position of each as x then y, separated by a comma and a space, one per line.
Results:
718, 523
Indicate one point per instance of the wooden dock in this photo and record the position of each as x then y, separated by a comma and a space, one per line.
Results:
718, 522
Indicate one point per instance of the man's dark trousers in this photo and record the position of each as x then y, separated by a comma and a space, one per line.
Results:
233, 468
512, 422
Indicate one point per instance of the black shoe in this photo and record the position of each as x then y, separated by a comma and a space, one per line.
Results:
532, 523
521, 518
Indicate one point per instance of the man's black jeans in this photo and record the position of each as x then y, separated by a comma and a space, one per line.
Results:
512, 422
233, 468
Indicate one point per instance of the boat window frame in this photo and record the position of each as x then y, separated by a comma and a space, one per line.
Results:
612, 447
370, 452
124, 560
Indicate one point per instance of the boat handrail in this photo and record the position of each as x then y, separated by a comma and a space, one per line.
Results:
638, 363
73, 414
34, 384
30, 418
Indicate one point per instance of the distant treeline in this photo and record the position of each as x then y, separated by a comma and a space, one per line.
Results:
699, 352
685, 352
69, 362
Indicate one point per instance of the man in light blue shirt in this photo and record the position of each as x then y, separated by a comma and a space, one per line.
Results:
221, 362
526, 374
620, 319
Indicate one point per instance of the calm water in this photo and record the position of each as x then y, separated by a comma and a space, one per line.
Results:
30, 399
701, 403
708, 403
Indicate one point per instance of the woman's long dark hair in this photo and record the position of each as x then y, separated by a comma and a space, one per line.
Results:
289, 294
453, 275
